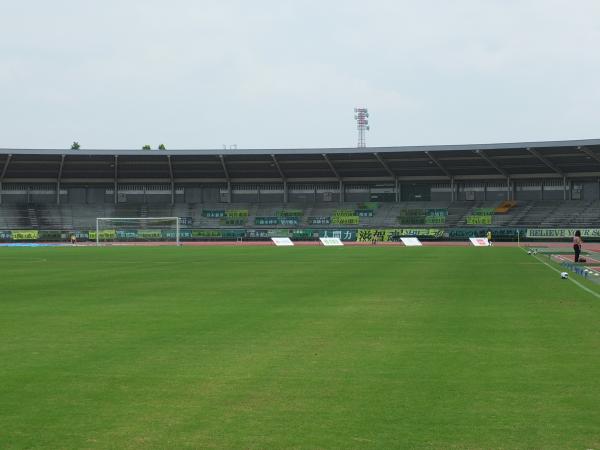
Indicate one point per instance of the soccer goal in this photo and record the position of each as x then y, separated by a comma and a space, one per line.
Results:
111, 230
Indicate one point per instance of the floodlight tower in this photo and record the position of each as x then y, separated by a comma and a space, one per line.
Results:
361, 115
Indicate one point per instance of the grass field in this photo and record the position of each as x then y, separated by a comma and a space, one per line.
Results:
225, 347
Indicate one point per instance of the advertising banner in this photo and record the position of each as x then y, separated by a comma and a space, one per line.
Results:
213, 213
438, 212
411, 242
345, 220
319, 220
266, 221
435, 220
343, 212
282, 242
24, 235
344, 235
479, 220
331, 242
104, 235
561, 233
149, 234
290, 213
479, 242
395, 234
289, 221
237, 213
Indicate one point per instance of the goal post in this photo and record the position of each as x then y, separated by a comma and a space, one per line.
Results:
137, 229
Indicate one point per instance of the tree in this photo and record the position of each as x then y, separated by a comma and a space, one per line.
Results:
162, 147
146, 147
75, 145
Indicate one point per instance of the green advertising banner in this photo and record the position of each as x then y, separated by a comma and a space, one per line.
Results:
5, 235
104, 235
562, 233
236, 213
319, 220
213, 213
368, 205
234, 221
343, 212
437, 212
171, 234
435, 220
497, 233
289, 221
207, 234
345, 220
149, 234
266, 221
24, 235
127, 234
50, 235
479, 220
387, 235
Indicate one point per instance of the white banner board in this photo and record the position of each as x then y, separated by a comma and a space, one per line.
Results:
331, 242
282, 242
411, 242
480, 242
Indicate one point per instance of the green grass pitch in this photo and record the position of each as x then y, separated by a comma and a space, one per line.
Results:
260, 347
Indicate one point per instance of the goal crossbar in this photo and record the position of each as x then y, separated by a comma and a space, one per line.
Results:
141, 219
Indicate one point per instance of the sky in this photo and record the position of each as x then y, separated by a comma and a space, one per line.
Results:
200, 74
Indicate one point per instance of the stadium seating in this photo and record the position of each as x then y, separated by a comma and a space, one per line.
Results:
545, 214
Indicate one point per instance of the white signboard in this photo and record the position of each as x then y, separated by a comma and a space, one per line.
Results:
282, 242
480, 242
331, 242
411, 242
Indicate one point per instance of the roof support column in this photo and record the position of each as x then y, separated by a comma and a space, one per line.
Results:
60, 170
452, 196
226, 172
283, 178
565, 188
341, 196
116, 178
3, 173
397, 190
172, 180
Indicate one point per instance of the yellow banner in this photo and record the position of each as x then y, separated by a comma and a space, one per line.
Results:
345, 220
104, 234
386, 235
24, 235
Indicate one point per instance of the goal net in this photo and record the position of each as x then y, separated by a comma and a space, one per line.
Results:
111, 230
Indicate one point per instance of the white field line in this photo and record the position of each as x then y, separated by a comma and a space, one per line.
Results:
585, 288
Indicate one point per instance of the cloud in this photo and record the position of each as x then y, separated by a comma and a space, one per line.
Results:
197, 74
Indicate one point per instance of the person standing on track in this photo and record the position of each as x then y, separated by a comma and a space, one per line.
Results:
489, 236
577, 242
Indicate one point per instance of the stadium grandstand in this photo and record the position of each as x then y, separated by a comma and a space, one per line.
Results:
518, 190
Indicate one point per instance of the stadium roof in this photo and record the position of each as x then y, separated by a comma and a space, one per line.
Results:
572, 159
